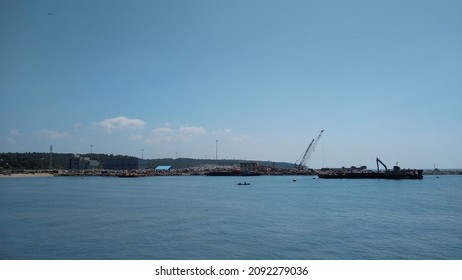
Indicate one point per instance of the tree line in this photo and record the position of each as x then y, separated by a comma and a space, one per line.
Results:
37, 161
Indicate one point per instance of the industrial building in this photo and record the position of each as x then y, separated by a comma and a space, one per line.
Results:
247, 166
125, 164
78, 162
163, 168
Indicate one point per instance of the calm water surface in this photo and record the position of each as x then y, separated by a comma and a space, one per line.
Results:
213, 218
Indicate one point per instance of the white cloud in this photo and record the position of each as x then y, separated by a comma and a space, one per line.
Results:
121, 123
169, 135
191, 131
51, 134
14, 132
161, 135
222, 131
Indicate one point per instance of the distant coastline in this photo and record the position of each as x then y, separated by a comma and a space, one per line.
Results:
175, 172
26, 175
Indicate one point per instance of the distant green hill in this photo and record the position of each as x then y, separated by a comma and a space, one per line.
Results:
19, 161
190, 163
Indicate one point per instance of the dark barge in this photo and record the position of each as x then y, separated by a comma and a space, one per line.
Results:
396, 173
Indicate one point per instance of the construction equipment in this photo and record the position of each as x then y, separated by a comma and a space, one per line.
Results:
301, 162
383, 164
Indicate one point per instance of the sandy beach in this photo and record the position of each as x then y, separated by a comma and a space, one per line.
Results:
26, 175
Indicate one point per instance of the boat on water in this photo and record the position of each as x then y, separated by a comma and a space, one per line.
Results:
243, 184
397, 173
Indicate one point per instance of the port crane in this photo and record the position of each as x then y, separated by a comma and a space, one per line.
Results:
301, 162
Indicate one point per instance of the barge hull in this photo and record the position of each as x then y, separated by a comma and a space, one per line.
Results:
372, 175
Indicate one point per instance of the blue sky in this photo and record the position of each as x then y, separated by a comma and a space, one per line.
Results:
169, 78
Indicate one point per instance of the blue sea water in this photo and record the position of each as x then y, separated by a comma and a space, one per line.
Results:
198, 217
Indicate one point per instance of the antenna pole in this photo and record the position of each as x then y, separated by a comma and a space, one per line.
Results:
51, 157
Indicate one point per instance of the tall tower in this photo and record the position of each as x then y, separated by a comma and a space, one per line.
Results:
51, 157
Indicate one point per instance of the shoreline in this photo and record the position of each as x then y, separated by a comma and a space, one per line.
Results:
179, 172
26, 175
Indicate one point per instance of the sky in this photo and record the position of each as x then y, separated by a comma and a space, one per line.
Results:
253, 79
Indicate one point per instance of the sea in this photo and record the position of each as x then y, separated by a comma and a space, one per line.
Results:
214, 218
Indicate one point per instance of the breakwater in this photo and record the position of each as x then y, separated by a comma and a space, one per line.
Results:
177, 172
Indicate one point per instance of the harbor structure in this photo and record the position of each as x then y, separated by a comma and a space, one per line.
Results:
78, 162
129, 163
51, 157
163, 168
248, 166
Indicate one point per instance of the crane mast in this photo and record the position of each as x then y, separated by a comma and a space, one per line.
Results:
301, 162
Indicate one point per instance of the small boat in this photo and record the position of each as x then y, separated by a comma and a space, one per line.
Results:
243, 184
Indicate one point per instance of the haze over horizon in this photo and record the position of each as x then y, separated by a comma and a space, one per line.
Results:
170, 78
